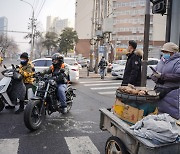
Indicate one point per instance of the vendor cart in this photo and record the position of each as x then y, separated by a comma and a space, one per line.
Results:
124, 141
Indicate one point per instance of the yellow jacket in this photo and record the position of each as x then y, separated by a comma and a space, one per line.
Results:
27, 72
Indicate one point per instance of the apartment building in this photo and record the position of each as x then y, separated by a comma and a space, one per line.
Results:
128, 24
54, 24
83, 24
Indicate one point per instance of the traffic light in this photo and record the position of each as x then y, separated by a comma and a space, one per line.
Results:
159, 6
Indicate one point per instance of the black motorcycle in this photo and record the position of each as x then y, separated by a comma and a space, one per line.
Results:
45, 101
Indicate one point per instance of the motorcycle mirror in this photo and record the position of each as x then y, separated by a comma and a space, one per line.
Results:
13, 66
5, 66
17, 66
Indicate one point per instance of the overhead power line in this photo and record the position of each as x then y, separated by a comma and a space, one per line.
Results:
41, 8
13, 31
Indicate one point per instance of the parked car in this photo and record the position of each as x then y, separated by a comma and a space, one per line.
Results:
82, 62
118, 69
109, 67
72, 61
151, 62
44, 63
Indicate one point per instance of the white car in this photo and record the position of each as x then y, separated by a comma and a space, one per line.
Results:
151, 62
118, 69
44, 63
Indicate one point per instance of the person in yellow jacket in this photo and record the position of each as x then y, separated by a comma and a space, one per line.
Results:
26, 69
1, 60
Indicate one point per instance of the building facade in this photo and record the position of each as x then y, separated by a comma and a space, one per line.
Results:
3, 25
83, 25
128, 24
54, 24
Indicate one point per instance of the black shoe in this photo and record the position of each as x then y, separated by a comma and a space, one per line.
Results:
9, 107
19, 110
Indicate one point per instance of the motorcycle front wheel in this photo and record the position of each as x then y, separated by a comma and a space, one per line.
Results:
33, 115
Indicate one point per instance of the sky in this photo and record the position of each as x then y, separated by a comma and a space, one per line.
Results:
19, 12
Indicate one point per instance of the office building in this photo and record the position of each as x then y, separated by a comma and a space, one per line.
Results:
3, 25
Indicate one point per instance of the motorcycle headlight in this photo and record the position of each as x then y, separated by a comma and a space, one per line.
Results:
41, 84
52, 82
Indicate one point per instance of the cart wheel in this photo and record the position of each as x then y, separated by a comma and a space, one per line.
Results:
115, 146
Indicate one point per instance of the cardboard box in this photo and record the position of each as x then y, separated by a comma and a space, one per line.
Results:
127, 112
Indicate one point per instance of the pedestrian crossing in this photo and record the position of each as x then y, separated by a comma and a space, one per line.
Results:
76, 145
105, 87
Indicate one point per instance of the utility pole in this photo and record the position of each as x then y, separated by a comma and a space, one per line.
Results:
92, 37
146, 44
168, 22
32, 29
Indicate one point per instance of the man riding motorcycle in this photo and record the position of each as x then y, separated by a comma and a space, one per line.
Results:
60, 73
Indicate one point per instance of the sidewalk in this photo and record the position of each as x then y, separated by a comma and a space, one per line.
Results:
83, 74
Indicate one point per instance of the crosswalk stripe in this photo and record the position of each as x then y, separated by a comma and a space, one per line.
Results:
81, 145
9, 146
93, 81
101, 84
103, 88
107, 93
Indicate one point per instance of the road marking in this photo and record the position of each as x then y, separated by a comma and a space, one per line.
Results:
81, 145
93, 81
107, 93
101, 88
9, 146
102, 84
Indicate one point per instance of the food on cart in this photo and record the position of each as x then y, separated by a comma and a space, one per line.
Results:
130, 89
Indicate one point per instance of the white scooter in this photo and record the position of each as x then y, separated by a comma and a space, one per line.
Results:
12, 88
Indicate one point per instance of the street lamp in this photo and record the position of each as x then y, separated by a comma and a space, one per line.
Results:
32, 32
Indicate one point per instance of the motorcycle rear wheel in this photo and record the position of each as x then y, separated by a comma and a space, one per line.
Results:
33, 119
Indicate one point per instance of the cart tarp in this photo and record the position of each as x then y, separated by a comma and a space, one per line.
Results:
160, 128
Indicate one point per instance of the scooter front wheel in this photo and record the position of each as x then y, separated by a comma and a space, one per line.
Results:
33, 115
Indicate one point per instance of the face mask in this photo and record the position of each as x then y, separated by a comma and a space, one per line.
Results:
166, 56
23, 62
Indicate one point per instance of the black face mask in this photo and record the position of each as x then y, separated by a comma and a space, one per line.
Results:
56, 65
24, 62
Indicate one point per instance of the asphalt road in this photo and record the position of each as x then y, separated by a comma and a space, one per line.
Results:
75, 133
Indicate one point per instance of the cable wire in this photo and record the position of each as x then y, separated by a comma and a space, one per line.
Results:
41, 8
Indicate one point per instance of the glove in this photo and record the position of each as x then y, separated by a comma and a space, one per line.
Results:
157, 75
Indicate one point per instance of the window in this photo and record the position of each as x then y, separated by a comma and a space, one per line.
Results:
152, 62
49, 63
41, 63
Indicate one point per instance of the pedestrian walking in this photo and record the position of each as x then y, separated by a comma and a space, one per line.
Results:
102, 65
132, 73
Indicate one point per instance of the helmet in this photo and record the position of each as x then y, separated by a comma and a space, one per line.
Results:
133, 44
24, 55
59, 57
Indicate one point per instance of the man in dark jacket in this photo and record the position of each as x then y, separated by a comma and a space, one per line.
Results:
132, 73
